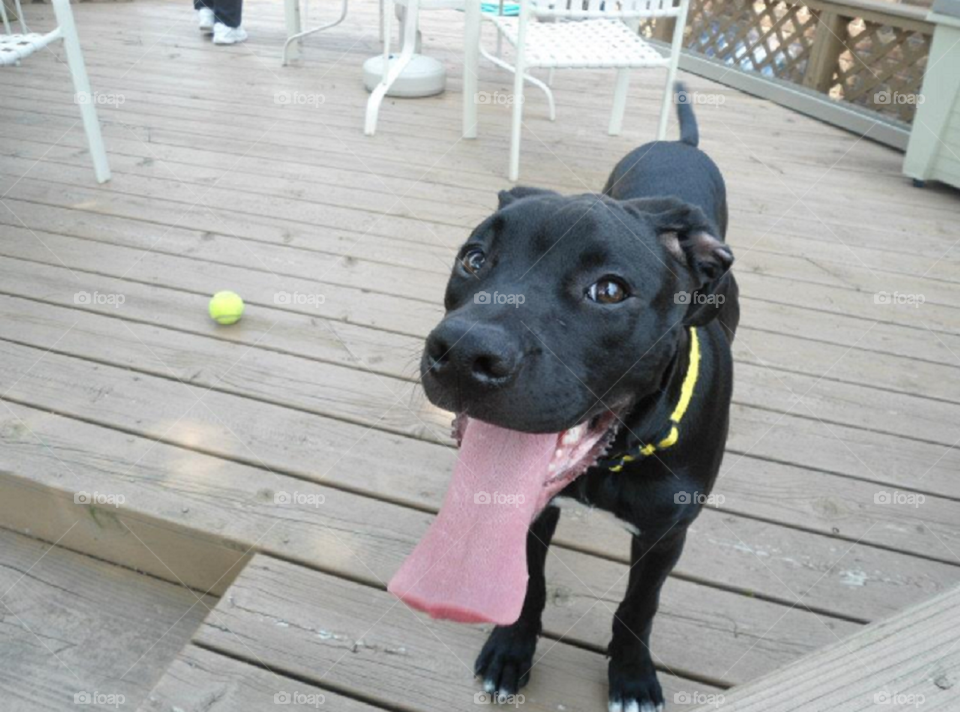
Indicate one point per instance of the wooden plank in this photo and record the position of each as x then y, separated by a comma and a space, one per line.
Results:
839, 353
752, 187
849, 579
359, 639
199, 681
232, 511
909, 661
754, 195
847, 269
799, 216
829, 447
162, 141
75, 626
821, 327
395, 355
933, 320
877, 251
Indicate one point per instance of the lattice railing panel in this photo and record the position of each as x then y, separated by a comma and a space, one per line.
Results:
873, 56
773, 38
882, 68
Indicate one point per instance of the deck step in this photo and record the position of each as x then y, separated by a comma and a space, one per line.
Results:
200, 680
362, 642
192, 517
910, 661
75, 628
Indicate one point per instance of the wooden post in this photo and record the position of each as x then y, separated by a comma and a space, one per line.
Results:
663, 28
828, 45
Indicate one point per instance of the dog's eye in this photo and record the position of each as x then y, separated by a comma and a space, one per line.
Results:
607, 291
473, 260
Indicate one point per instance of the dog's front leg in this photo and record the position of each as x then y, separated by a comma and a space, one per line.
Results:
506, 659
633, 678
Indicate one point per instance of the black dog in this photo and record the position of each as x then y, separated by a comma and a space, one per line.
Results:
610, 324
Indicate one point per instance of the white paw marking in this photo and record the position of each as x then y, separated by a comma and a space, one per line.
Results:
615, 707
489, 686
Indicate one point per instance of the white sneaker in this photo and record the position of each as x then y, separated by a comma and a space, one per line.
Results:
224, 35
205, 20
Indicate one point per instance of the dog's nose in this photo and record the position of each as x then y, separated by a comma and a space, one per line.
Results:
463, 351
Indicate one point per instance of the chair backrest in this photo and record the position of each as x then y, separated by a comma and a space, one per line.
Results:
619, 9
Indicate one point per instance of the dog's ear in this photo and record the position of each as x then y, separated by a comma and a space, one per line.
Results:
509, 196
688, 236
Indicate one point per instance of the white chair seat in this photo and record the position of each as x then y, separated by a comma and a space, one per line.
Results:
596, 44
13, 48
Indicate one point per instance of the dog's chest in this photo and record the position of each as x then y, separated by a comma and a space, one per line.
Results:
582, 512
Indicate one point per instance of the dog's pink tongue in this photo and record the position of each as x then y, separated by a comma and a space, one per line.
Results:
471, 566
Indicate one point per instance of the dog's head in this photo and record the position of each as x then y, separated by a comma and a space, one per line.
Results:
564, 310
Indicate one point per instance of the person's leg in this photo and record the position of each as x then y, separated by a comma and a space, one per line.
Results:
205, 16
228, 29
228, 11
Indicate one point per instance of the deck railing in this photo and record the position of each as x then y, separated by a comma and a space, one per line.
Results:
868, 53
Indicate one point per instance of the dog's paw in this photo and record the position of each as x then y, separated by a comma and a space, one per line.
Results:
506, 659
634, 688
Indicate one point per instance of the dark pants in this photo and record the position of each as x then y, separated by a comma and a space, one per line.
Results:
226, 11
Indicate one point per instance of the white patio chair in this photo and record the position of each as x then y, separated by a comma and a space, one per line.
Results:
15, 47
586, 34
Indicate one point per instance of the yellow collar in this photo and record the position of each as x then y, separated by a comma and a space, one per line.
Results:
671, 431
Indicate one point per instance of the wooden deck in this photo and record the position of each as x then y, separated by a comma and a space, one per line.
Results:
840, 484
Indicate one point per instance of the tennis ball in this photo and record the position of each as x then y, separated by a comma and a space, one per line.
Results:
226, 308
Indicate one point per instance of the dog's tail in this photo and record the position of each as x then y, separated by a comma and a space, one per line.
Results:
688, 122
